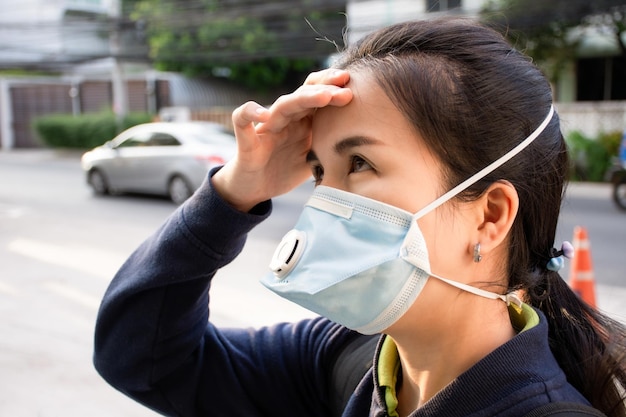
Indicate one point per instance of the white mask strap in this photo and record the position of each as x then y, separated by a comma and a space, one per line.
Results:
509, 298
488, 169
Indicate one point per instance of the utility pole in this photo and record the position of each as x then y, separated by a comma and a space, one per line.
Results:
120, 96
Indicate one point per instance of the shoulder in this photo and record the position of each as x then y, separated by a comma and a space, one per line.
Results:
565, 409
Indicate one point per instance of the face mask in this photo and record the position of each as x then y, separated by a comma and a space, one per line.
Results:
360, 262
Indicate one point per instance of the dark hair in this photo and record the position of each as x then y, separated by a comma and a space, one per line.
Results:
473, 97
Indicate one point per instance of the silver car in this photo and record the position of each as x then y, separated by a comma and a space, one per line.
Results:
170, 159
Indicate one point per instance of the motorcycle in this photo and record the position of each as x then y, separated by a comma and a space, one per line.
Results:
618, 176
618, 179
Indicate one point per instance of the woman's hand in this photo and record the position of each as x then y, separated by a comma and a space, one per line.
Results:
272, 144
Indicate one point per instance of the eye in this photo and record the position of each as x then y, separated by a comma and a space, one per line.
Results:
318, 173
358, 164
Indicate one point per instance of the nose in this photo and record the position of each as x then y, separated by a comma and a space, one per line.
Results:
331, 182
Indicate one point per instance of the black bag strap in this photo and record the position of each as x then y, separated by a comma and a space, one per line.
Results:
565, 409
351, 364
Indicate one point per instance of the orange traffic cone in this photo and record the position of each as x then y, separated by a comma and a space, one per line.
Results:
582, 280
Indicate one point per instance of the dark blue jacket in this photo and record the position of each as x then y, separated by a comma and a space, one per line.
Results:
153, 341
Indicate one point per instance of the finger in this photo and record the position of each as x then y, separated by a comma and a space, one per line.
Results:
244, 118
340, 97
331, 76
248, 114
298, 105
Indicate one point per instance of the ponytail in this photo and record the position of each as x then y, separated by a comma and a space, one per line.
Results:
589, 346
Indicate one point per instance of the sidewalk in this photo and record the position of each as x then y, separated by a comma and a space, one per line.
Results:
40, 154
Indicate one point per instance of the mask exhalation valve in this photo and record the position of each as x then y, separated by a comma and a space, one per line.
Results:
288, 253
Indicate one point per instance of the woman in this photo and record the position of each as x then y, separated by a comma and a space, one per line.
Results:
440, 168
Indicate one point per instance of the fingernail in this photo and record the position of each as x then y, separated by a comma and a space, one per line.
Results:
260, 110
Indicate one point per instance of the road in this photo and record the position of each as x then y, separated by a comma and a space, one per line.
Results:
60, 246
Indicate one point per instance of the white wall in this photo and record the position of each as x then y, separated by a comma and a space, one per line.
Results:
592, 117
29, 29
35, 30
365, 16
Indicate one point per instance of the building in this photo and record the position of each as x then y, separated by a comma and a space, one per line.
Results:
55, 37
51, 34
95, 62
367, 15
100, 62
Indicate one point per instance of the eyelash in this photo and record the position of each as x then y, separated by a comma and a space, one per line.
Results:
318, 171
354, 159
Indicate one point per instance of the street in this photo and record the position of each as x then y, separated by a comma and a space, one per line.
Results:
60, 246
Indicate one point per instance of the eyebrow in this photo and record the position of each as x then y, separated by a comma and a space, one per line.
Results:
354, 141
346, 144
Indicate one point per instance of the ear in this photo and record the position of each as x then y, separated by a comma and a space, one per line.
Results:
496, 211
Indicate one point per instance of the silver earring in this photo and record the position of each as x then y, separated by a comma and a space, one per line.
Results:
477, 255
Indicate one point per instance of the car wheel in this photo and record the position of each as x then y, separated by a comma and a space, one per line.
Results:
619, 193
179, 190
98, 182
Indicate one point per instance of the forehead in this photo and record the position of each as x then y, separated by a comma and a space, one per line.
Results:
370, 113
368, 96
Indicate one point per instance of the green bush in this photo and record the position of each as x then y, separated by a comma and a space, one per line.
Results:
611, 141
84, 131
591, 158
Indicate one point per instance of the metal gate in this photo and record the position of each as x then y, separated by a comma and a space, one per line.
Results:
31, 101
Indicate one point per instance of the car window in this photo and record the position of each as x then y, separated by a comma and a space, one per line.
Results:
163, 139
139, 139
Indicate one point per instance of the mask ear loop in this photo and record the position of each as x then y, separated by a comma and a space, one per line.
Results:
488, 169
509, 299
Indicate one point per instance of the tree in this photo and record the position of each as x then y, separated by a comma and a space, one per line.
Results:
255, 43
551, 31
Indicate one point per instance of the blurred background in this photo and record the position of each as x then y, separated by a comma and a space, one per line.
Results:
135, 58
77, 74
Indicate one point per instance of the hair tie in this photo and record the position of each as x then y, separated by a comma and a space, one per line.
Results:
556, 256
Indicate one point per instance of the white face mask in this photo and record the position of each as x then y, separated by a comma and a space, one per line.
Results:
360, 262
